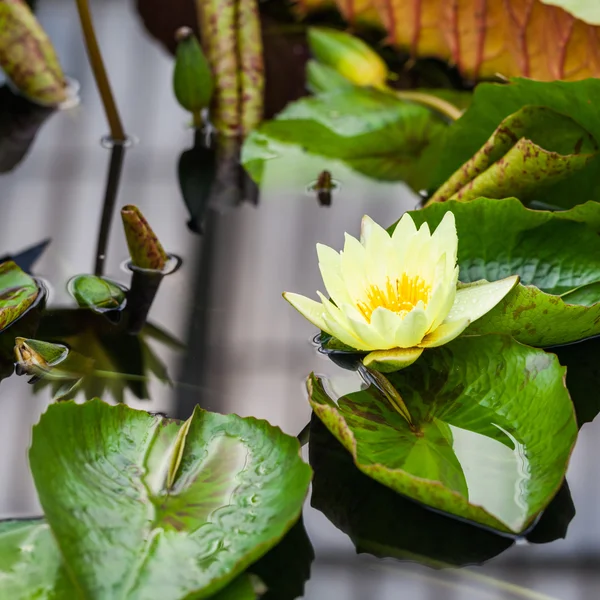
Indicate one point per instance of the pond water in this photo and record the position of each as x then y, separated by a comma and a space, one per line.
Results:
246, 351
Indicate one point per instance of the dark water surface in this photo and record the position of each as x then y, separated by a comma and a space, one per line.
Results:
248, 352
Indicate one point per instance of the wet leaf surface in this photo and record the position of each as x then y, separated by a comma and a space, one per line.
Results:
372, 132
31, 566
97, 293
18, 291
101, 471
484, 408
553, 253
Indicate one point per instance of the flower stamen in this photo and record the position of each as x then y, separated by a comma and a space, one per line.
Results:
399, 296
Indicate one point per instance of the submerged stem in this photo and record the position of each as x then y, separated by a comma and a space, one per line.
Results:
110, 107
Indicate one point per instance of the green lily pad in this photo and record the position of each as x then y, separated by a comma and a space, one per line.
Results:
101, 472
371, 131
533, 147
554, 253
97, 293
18, 291
492, 103
31, 566
483, 408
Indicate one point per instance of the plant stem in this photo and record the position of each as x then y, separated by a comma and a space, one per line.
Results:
110, 107
442, 106
115, 167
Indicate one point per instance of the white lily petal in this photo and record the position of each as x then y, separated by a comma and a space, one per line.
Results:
445, 333
386, 323
401, 237
445, 240
412, 328
353, 261
339, 324
443, 297
330, 265
370, 336
476, 299
378, 244
309, 309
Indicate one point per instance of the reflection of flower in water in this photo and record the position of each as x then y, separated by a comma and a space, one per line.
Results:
118, 361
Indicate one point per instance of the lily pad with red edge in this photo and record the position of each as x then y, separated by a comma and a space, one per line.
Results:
483, 410
18, 291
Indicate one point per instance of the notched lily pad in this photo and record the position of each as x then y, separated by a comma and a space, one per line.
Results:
483, 409
101, 474
533, 147
556, 255
18, 291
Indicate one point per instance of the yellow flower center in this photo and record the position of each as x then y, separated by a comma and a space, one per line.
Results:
399, 296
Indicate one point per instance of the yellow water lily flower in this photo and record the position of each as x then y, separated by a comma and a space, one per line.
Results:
395, 295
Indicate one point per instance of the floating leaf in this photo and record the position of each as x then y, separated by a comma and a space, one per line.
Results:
384, 523
18, 291
493, 103
553, 253
97, 293
144, 248
36, 356
371, 131
31, 566
531, 148
27, 55
485, 408
485, 38
100, 472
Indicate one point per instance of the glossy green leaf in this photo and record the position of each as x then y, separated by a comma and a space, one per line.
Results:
30, 563
18, 291
484, 409
371, 131
530, 149
31, 566
97, 293
494, 102
101, 474
553, 253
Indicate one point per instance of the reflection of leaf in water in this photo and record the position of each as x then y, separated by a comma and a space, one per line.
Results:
457, 395
20, 121
121, 361
28, 257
